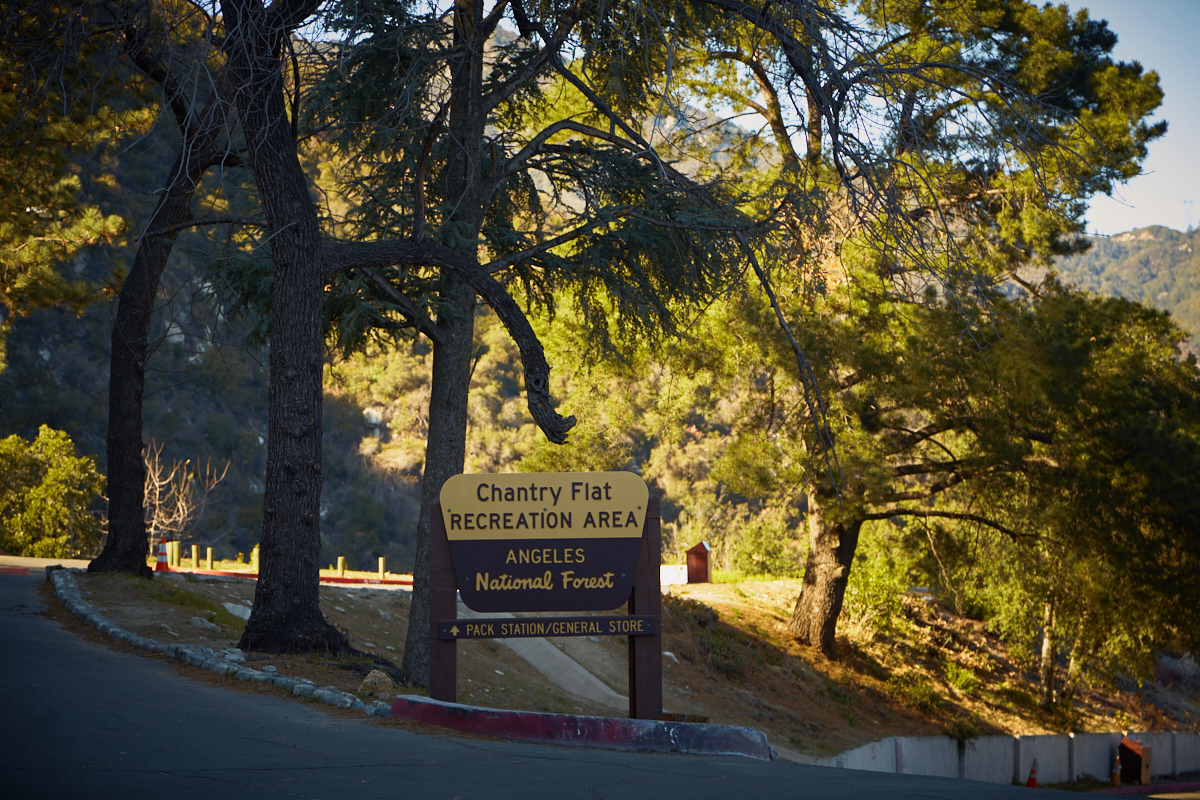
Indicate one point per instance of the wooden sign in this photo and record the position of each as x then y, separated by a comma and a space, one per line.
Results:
482, 503
545, 541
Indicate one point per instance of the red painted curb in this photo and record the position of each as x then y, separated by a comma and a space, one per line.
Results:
1152, 788
392, 581
609, 733
324, 579
5, 570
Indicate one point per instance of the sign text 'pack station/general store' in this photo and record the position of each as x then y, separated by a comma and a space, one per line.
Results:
545, 541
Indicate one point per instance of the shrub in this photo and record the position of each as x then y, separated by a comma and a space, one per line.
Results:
46, 496
962, 678
767, 545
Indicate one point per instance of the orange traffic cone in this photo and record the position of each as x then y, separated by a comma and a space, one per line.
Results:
162, 565
1032, 782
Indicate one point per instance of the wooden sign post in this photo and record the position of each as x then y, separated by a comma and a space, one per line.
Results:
547, 542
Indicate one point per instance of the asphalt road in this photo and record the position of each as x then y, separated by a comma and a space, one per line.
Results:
78, 720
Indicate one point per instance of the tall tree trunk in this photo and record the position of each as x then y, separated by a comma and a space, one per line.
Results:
1080, 650
126, 545
831, 548
445, 450
1046, 691
286, 616
450, 387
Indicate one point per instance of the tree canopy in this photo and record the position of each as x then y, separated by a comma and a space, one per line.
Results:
48, 497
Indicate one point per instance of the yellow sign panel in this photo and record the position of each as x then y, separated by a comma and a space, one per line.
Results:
544, 505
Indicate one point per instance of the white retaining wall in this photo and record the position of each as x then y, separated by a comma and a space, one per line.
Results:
1094, 754
1004, 759
1053, 754
874, 757
1187, 751
927, 755
990, 759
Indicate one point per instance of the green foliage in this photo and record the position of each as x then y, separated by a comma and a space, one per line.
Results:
47, 497
878, 581
962, 678
44, 219
1155, 266
915, 690
766, 545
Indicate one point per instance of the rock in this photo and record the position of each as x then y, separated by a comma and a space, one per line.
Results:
234, 654
339, 608
203, 624
385, 616
269, 668
238, 610
671, 656
377, 684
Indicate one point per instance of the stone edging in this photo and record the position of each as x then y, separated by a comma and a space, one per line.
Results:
222, 663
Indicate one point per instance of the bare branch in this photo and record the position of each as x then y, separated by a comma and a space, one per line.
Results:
196, 223
889, 513
340, 256
420, 322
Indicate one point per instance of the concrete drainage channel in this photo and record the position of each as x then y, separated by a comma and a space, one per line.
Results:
601, 732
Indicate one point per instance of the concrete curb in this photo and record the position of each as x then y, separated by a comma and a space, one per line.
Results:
609, 733
218, 661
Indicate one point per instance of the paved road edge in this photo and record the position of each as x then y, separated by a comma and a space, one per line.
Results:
220, 662
609, 733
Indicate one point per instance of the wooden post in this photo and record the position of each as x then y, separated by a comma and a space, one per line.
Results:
196, 556
382, 567
254, 558
208, 560
341, 567
645, 652
443, 589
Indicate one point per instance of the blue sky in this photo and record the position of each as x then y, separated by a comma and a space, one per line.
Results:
1164, 35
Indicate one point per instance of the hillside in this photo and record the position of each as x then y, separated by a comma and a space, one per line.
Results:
1157, 266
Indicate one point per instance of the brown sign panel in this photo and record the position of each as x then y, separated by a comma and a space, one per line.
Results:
545, 541
528, 627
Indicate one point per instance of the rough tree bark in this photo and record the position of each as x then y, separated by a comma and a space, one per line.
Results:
831, 547
286, 616
446, 447
1081, 649
126, 545
1046, 690
445, 450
